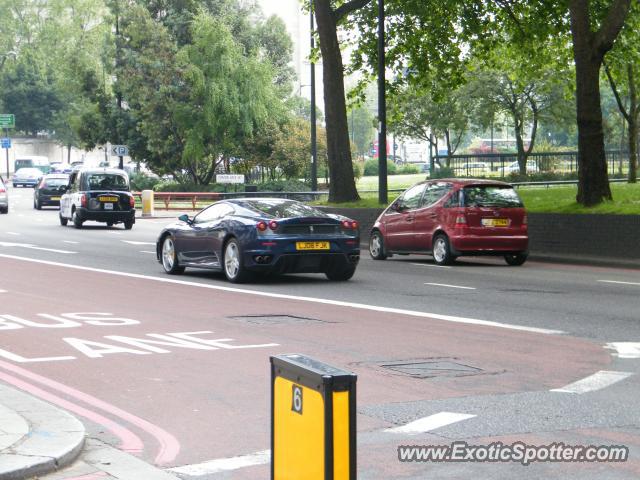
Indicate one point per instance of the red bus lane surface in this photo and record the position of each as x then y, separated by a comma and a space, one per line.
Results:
179, 374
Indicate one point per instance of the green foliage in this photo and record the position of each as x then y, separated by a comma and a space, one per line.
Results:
283, 186
140, 181
371, 168
173, 186
444, 172
408, 169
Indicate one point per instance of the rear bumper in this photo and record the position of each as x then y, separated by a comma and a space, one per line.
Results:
300, 262
47, 200
117, 216
489, 245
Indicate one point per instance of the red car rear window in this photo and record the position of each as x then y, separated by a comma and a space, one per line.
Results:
490, 196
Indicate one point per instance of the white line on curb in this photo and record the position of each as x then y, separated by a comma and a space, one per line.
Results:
431, 422
619, 282
450, 286
597, 381
224, 464
324, 301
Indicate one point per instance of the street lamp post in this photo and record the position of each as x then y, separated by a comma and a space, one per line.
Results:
382, 109
314, 146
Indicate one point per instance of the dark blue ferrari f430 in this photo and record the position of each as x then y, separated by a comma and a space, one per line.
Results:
244, 236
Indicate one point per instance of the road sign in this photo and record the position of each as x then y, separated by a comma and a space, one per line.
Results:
7, 120
228, 178
120, 150
5, 143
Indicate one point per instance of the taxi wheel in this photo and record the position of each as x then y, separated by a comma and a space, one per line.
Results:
376, 246
169, 257
128, 225
232, 264
441, 250
75, 218
516, 259
63, 221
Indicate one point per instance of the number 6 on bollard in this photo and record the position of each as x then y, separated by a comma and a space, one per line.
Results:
313, 420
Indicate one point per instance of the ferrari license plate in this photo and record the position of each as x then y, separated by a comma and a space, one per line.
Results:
312, 246
108, 199
495, 222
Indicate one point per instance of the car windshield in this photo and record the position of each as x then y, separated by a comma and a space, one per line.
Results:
56, 182
107, 181
283, 208
491, 196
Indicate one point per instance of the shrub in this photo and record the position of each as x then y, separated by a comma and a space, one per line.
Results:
444, 172
371, 168
140, 181
408, 169
283, 186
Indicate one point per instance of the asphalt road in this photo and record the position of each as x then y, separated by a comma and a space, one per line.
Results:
494, 343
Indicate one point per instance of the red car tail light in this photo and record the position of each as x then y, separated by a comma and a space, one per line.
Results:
2, 190
525, 220
273, 225
261, 226
461, 221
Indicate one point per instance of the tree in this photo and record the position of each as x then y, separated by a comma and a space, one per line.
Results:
329, 14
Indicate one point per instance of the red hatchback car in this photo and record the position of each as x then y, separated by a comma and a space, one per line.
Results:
450, 218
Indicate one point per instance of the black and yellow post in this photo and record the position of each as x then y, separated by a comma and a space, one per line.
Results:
313, 420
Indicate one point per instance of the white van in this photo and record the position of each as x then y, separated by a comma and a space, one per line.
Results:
32, 161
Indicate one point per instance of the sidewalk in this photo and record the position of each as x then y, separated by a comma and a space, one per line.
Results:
35, 437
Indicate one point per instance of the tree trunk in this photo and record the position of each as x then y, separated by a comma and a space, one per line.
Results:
634, 109
342, 186
593, 181
518, 124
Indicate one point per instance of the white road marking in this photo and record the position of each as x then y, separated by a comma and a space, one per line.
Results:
33, 247
147, 251
625, 349
3, 291
324, 301
224, 464
13, 233
430, 265
450, 286
137, 243
597, 381
619, 282
70, 241
431, 422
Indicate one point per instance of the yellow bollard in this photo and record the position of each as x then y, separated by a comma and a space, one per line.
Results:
147, 203
313, 420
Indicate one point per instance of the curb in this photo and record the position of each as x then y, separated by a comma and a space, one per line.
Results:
46, 438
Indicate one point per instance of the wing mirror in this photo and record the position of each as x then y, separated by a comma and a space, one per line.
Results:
185, 218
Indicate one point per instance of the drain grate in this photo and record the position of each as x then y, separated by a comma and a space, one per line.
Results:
436, 367
276, 319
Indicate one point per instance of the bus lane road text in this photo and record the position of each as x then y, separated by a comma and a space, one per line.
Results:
149, 344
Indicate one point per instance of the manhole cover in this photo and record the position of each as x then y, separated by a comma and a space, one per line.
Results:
276, 319
441, 367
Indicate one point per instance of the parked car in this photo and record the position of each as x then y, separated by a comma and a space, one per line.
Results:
60, 167
4, 198
27, 177
471, 168
50, 190
244, 236
450, 218
514, 167
101, 195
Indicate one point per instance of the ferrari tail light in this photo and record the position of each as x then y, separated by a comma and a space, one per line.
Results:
349, 224
273, 225
83, 200
261, 226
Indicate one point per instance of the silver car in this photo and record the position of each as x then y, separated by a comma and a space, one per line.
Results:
27, 177
4, 198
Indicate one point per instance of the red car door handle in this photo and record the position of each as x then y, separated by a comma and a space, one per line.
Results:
410, 218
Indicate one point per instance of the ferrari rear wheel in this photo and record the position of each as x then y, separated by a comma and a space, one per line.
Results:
234, 270
340, 273
170, 257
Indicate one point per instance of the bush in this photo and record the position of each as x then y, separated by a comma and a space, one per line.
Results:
140, 181
283, 186
444, 172
371, 168
171, 186
408, 169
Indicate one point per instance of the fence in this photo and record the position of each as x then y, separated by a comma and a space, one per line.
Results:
501, 165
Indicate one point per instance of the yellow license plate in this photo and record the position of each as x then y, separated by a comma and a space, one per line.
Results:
108, 199
495, 222
312, 246
55, 198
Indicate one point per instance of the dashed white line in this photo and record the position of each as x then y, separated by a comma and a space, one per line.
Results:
323, 301
431, 422
597, 381
224, 464
619, 282
3, 291
625, 349
430, 265
13, 233
147, 251
71, 242
130, 242
450, 286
